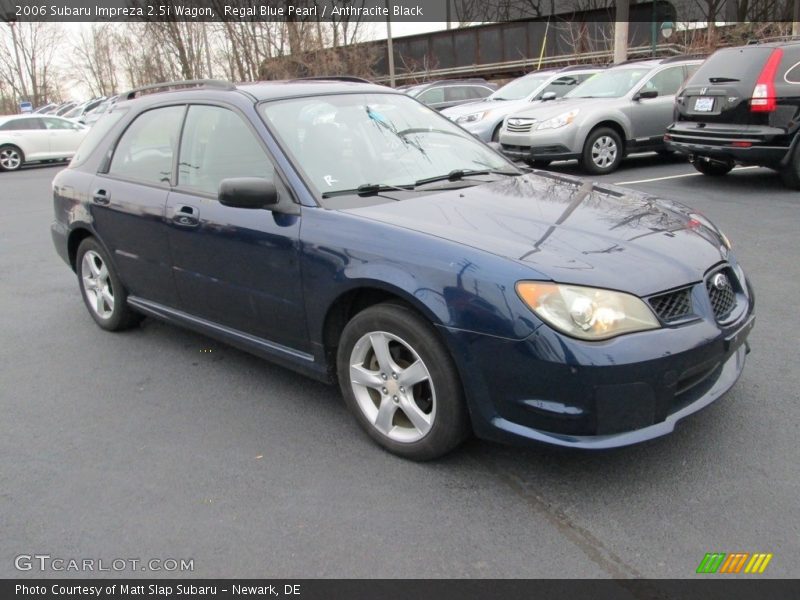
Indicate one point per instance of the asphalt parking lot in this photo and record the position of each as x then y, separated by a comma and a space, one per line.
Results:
159, 443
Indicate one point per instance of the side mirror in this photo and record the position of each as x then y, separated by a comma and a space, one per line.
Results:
548, 96
247, 192
646, 95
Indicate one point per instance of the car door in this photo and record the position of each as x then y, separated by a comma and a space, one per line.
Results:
64, 136
29, 135
128, 201
232, 266
649, 117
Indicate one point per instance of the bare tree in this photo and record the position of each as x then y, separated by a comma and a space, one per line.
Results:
27, 51
93, 60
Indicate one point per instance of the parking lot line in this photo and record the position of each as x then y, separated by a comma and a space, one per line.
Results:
675, 176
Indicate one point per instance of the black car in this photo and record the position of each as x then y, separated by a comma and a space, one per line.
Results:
345, 230
742, 106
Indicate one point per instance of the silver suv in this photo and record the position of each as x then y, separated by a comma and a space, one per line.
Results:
484, 118
619, 111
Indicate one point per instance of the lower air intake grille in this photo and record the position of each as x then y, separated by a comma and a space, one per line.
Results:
672, 305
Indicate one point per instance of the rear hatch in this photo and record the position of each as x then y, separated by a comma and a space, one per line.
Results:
721, 89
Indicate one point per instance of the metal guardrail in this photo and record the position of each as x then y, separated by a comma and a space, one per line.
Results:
530, 64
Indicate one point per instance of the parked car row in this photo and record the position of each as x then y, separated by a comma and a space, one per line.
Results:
739, 106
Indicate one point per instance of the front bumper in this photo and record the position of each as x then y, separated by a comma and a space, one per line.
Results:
553, 144
553, 389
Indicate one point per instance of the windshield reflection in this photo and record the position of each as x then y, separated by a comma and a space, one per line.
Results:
346, 141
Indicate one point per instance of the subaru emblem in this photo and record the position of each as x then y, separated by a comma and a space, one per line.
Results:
720, 281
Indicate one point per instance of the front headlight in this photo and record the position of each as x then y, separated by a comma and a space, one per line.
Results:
472, 117
559, 121
587, 313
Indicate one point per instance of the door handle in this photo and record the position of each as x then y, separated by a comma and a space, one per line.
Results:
101, 197
186, 216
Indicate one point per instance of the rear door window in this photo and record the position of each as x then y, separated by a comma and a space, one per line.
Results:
22, 125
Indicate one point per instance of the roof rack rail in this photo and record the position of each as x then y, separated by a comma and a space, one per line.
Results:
636, 60
774, 38
682, 57
580, 68
349, 78
174, 85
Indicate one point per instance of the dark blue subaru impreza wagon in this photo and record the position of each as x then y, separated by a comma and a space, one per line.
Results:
348, 232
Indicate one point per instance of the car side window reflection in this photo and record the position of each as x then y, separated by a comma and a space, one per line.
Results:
147, 148
217, 144
667, 82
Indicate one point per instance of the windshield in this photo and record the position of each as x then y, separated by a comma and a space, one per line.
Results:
613, 83
519, 88
346, 141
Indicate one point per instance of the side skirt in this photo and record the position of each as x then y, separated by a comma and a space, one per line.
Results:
284, 356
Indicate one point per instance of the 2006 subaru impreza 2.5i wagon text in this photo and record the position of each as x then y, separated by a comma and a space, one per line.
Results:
351, 233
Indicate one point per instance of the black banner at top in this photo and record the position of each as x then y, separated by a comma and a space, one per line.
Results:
459, 11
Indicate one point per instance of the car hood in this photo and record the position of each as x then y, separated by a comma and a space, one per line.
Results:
568, 231
546, 110
506, 106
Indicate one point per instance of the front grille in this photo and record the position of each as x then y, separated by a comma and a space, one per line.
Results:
519, 125
672, 306
721, 293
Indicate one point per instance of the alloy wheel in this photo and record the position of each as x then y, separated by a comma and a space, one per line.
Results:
10, 159
392, 386
97, 284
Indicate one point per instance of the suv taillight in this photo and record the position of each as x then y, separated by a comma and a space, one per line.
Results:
763, 99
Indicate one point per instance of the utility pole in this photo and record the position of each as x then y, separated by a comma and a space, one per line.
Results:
621, 31
390, 46
796, 18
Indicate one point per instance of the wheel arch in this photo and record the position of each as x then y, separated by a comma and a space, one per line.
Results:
611, 124
361, 296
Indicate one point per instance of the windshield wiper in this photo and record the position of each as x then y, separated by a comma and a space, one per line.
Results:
369, 189
459, 174
723, 79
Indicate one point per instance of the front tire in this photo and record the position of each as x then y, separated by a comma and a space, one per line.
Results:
713, 168
400, 383
602, 151
11, 158
102, 291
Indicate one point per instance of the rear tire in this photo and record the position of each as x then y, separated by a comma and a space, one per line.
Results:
602, 151
400, 383
102, 291
11, 158
712, 168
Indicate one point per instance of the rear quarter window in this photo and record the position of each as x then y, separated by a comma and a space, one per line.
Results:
96, 135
